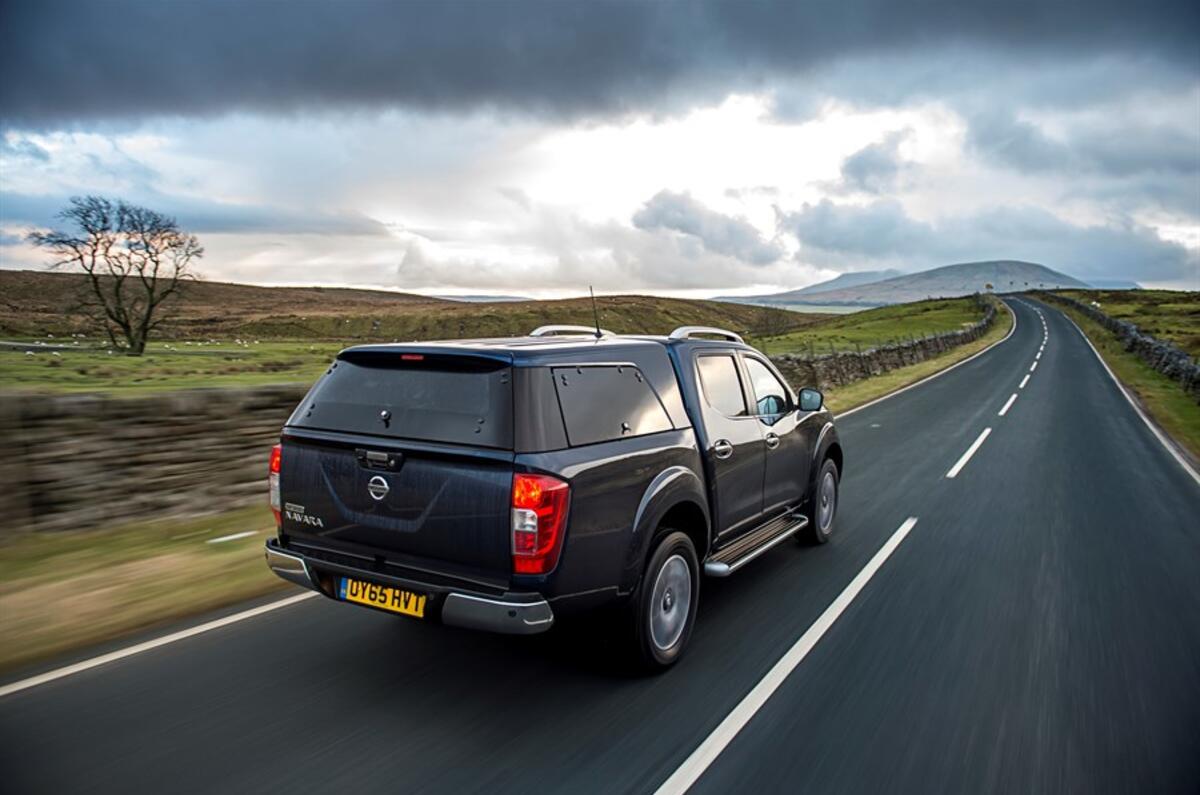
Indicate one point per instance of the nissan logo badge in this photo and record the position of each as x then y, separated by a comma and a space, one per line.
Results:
378, 487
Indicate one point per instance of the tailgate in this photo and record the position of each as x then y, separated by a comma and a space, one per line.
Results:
409, 503
406, 454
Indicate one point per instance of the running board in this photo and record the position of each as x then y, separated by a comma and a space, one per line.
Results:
726, 561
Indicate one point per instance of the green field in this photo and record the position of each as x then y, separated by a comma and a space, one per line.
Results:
872, 328
1167, 314
65, 362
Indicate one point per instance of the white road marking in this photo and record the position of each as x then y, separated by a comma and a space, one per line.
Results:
707, 752
129, 651
962, 462
939, 373
1024, 381
1034, 367
1008, 405
232, 537
1163, 440
1039, 355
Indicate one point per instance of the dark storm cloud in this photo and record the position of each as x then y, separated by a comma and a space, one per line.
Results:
716, 232
73, 61
882, 234
1118, 148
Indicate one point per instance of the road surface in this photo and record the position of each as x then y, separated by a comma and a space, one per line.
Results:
1036, 629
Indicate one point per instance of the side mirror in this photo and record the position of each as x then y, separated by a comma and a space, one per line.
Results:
811, 400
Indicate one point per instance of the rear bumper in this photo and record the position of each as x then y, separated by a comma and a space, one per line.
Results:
512, 614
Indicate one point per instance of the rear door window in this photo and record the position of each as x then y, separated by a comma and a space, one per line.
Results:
463, 401
721, 384
606, 402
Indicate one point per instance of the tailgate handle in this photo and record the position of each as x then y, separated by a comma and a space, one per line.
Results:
378, 459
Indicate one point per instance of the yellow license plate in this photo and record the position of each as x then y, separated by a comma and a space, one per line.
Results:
382, 596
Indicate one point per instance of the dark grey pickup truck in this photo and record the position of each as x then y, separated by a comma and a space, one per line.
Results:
498, 484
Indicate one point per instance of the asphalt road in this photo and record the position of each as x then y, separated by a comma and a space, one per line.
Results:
1037, 630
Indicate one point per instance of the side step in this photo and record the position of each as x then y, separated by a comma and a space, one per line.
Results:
726, 561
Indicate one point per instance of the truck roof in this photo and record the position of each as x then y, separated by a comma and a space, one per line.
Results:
531, 350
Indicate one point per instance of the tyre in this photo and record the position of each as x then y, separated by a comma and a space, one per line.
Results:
822, 504
664, 607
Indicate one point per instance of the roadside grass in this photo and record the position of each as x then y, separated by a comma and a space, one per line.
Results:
874, 327
1170, 315
63, 591
1163, 399
847, 397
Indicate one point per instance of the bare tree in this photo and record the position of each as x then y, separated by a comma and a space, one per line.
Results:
134, 258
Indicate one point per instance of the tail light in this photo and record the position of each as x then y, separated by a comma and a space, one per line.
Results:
539, 516
273, 482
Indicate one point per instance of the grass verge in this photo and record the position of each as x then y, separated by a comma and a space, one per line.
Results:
860, 392
62, 591
1163, 399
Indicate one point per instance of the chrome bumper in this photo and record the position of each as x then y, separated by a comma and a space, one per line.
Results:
518, 615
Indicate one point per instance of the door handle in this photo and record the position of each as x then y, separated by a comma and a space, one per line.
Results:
772, 440
722, 448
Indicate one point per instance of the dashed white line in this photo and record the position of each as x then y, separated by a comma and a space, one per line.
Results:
1008, 405
232, 537
129, 651
962, 462
1034, 367
1039, 355
707, 752
1024, 381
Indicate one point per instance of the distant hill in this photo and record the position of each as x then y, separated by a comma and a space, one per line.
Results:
840, 282
1114, 284
483, 299
945, 282
36, 303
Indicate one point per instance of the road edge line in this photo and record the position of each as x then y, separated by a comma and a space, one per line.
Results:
1163, 439
707, 752
932, 376
154, 643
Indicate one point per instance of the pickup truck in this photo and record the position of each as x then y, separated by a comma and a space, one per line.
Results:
500, 484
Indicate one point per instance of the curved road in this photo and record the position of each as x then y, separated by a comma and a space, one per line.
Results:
1037, 629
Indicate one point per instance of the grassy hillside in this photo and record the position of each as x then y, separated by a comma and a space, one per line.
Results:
36, 304
1170, 315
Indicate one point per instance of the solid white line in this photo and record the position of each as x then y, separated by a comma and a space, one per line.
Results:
233, 537
962, 462
938, 374
1008, 405
1024, 381
1034, 367
1163, 440
129, 651
707, 752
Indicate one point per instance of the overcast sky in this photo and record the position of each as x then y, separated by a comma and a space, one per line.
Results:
537, 147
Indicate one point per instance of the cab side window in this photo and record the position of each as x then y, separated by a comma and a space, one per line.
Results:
770, 395
722, 385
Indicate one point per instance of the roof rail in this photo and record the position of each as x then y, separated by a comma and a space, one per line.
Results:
687, 332
555, 330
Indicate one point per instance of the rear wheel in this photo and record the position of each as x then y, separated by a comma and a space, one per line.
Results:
822, 504
664, 607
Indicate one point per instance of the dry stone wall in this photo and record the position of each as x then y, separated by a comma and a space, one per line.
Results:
71, 462
1164, 357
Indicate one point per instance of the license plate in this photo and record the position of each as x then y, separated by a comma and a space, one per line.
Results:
385, 598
